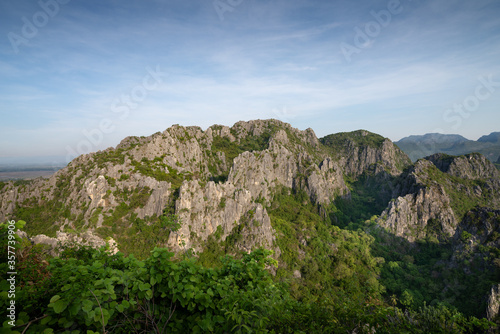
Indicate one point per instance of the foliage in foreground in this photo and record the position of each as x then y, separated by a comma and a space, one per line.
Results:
87, 291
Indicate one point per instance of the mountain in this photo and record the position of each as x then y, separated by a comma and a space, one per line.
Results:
493, 137
421, 146
350, 219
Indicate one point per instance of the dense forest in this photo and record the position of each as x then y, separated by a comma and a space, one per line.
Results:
85, 290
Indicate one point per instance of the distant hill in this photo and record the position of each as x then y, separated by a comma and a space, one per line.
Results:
493, 137
420, 146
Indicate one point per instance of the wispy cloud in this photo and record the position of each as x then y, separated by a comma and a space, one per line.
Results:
262, 57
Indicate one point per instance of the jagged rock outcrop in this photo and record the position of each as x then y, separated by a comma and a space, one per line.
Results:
420, 208
476, 236
253, 177
87, 238
431, 197
202, 210
225, 177
361, 158
413, 215
224, 188
218, 177
493, 307
470, 166
360, 150
326, 182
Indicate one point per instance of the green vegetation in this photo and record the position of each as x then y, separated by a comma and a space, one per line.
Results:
368, 198
90, 291
460, 190
156, 169
140, 197
113, 156
416, 274
223, 144
343, 269
22, 182
45, 214
340, 141
232, 149
331, 261
337, 271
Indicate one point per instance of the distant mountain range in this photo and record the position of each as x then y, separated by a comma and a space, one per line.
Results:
420, 146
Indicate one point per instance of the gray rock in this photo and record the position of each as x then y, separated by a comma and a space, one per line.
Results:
493, 303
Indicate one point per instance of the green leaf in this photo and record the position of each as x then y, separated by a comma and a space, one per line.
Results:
87, 305
68, 323
73, 309
55, 298
144, 286
46, 320
59, 306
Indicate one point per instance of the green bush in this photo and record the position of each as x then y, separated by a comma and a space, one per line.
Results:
87, 290
465, 236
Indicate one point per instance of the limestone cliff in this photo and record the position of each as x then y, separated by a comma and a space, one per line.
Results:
437, 192
223, 184
361, 150
218, 177
224, 178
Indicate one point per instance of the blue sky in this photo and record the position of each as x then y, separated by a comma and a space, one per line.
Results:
78, 76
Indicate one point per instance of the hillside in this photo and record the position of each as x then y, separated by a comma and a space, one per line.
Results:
357, 232
421, 146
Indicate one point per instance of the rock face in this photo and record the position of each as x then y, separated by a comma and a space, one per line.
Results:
470, 166
409, 216
222, 180
419, 207
493, 303
361, 150
85, 239
220, 183
430, 201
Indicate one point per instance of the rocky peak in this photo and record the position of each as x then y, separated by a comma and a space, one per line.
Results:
359, 150
470, 166
223, 178
493, 307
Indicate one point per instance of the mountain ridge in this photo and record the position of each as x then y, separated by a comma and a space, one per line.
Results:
420, 146
263, 183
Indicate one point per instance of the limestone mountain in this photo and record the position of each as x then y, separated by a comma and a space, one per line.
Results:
265, 183
436, 194
211, 179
